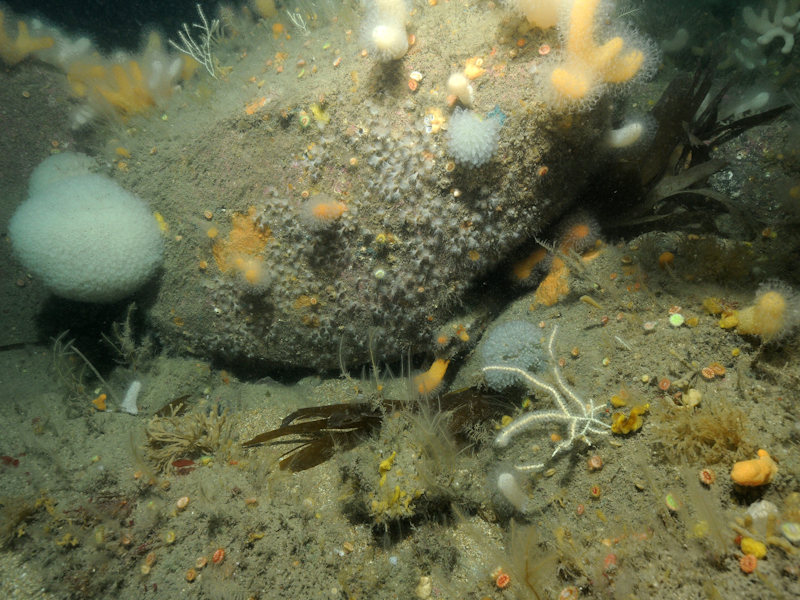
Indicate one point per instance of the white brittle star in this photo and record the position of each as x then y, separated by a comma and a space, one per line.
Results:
579, 415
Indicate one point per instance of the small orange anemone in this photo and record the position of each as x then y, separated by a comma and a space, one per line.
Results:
579, 233
326, 209
666, 259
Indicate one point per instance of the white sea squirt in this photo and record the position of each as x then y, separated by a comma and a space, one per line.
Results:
129, 404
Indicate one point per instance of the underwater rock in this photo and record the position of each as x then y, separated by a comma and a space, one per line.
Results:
402, 231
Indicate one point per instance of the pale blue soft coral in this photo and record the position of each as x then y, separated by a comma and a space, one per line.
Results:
472, 140
511, 344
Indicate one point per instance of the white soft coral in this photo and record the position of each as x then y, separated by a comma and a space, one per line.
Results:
540, 13
385, 28
784, 24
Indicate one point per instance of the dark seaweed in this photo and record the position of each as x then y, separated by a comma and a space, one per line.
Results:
315, 432
677, 162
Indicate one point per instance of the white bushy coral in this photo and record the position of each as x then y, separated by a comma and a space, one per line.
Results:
784, 24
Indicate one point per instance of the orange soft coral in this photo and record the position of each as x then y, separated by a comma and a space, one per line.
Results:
126, 90
589, 65
13, 51
132, 86
775, 313
122, 87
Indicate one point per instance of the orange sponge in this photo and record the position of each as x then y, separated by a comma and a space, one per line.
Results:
578, 233
241, 252
755, 472
523, 268
555, 286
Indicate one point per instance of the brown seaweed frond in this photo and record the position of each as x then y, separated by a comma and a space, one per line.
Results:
319, 430
315, 432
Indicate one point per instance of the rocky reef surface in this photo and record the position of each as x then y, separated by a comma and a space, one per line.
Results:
313, 203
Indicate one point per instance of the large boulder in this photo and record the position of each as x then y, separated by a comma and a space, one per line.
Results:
342, 225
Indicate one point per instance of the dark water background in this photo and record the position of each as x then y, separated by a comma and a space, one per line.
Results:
119, 25
114, 25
